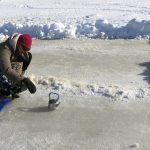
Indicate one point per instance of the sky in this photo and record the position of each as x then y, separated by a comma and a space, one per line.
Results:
60, 19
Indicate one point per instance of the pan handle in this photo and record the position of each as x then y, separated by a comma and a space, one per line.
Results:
53, 93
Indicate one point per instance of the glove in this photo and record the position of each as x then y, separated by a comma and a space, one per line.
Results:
29, 84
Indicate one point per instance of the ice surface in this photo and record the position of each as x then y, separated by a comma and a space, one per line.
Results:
112, 69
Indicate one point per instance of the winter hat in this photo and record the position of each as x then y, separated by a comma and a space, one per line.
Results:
25, 40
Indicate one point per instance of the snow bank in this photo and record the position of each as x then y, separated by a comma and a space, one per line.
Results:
82, 89
87, 27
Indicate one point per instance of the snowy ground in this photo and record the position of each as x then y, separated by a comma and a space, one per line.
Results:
104, 92
76, 18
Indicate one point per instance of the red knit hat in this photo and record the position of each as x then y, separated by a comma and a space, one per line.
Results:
25, 40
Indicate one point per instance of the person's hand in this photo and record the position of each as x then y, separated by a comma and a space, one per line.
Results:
29, 84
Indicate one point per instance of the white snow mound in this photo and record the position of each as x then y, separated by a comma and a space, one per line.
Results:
87, 27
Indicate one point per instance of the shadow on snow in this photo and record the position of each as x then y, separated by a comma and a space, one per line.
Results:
35, 109
146, 72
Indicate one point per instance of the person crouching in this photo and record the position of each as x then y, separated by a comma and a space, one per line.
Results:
14, 61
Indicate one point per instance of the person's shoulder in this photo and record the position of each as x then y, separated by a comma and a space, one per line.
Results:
4, 47
4, 43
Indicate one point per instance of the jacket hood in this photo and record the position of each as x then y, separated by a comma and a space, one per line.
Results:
13, 40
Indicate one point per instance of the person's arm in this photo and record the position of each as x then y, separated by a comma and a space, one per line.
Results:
27, 63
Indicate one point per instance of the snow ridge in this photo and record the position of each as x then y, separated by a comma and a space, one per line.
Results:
87, 27
82, 89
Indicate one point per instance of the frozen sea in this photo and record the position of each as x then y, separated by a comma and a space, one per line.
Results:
104, 94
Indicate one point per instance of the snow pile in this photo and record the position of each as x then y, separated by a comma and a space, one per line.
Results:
87, 27
83, 89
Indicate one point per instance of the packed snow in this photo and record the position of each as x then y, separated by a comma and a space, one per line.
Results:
72, 88
76, 19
